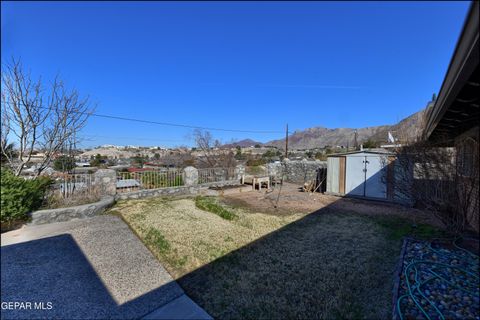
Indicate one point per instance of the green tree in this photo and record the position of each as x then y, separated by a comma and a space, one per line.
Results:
64, 163
238, 154
98, 160
370, 144
309, 154
269, 154
138, 161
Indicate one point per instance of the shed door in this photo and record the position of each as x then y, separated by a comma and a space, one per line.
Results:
365, 177
376, 186
355, 176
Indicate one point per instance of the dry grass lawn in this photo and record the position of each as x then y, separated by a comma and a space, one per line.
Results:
333, 263
195, 237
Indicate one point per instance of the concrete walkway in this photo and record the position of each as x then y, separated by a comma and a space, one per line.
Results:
89, 268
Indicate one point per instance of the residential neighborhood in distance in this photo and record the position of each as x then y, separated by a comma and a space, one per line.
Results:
240, 160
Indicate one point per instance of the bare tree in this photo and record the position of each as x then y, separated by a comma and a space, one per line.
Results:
212, 153
38, 118
441, 180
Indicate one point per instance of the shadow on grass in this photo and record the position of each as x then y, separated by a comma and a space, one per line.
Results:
325, 265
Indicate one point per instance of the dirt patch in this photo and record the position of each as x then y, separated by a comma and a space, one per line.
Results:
293, 200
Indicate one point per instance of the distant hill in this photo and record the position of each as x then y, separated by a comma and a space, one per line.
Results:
245, 143
319, 137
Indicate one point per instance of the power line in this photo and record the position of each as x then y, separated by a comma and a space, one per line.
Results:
167, 123
131, 138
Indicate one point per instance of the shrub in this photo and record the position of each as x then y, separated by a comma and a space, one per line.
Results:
98, 160
20, 196
370, 144
255, 162
64, 163
209, 204
255, 170
320, 156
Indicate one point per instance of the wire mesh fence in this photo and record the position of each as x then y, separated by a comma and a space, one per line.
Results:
208, 175
149, 179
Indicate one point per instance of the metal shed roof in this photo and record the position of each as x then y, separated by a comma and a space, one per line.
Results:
378, 152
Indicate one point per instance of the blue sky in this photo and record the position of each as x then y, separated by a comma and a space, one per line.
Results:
249, 66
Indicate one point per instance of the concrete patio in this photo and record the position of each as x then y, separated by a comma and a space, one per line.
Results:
89, 268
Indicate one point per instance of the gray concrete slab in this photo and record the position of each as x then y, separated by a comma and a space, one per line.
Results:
181, 308
89, 268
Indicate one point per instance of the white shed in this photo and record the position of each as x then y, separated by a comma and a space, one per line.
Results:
365, 174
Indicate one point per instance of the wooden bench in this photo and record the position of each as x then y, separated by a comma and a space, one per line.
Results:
254, 180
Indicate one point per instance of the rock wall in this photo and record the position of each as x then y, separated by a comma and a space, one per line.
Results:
191, 176
105, 181
70, 213
295, 171
174, 191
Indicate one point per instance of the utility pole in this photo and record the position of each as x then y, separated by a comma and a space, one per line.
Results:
355, 140
286, 143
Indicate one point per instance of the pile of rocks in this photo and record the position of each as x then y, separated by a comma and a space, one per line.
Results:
438, 280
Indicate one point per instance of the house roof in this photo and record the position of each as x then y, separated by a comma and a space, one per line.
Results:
131, 169
456, 109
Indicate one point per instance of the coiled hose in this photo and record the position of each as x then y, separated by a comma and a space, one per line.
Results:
462, 266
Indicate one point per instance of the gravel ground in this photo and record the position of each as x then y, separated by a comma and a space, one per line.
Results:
443, 281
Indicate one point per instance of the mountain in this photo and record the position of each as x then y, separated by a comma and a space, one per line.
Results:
242, 143
319, 137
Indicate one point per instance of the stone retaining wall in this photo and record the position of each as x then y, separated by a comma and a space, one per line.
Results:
70, 213
174, 191
296, 171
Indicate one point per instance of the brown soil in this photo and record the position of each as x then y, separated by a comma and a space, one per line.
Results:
293, 200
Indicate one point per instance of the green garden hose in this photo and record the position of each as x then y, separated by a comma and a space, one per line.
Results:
471, 270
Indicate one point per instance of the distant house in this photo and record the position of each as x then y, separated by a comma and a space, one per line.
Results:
453, 121
132, 169
82, 164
